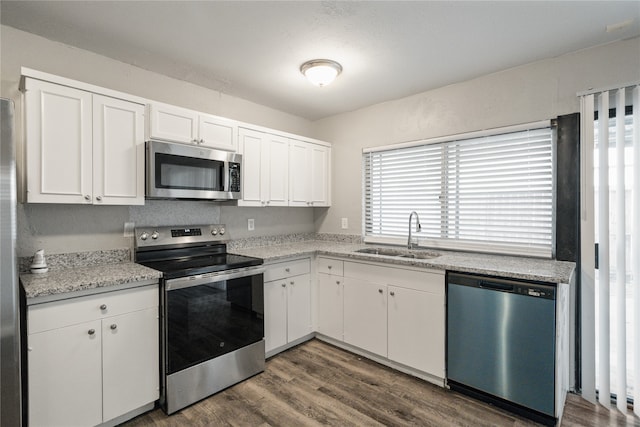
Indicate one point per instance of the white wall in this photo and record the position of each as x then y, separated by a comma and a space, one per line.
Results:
538, 91
71, 228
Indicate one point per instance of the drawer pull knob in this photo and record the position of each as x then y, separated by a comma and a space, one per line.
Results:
329, 267
392, 293
337, 282
287, 269
103, 307
92, 331
284, 285
292, 282
114, 327
380, 290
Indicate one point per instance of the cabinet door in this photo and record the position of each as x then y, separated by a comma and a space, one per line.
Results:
320, 181
299, 173
330, 306
275, 314
130, 361
118, 152
365, 315
58, 143
65, 376
278, 170
253, 173
217, 132
172, 123
416, 329
298, 307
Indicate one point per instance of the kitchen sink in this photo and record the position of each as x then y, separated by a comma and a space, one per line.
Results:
400, 253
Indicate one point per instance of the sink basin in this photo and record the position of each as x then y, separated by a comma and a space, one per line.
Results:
400, 253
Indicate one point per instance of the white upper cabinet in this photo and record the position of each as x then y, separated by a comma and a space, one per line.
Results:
118, 144
82, 147
265, 170
171, 123
309, 172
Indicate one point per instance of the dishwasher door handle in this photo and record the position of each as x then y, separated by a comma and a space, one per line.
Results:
495, 286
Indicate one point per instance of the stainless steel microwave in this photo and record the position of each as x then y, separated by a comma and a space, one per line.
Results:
184, 171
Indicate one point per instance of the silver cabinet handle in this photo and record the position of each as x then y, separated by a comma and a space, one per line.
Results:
284, 285
392, 293
103, 307
87, 197
91, 331
98, 198
114, 327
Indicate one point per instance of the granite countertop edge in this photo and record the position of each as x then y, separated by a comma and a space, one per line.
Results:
70, 282
536, 269
66, 283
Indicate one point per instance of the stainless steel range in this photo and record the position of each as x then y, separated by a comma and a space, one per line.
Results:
212, 306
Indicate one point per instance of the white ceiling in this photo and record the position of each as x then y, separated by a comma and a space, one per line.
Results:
388, 49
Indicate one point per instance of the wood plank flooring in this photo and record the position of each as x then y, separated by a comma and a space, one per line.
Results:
318, 384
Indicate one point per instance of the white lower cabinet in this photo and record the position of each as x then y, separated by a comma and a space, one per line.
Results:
330, 305
416, 329
396, 313
92, 359
287, 303
365, 315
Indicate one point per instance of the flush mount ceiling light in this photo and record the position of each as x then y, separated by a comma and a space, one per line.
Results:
321, 72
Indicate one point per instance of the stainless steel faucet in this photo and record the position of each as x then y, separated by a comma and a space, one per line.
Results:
418, 228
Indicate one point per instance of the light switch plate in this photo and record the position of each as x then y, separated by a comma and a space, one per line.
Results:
251, 225
345, 223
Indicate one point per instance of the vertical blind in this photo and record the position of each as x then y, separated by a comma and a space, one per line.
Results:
492, 193
612, 173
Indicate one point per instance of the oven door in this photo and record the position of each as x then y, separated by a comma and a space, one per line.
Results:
207, 316
180, 171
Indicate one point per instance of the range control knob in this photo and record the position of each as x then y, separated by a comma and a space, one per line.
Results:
154, 235
222, 230
144, 236
214, 231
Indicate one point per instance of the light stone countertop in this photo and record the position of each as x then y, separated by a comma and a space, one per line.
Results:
117, 274
543, 270
72, 282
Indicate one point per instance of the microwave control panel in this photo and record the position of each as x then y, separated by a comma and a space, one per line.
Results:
234, 177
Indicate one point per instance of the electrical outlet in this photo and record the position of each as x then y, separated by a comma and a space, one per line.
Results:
251, 225
128, 229
345, 223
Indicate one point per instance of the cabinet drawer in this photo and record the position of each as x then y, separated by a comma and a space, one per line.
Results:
330, 266
428, 281
44, 317
287, 269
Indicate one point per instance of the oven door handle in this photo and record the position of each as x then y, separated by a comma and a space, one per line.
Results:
201, 279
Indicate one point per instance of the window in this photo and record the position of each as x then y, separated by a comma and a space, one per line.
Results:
490, 192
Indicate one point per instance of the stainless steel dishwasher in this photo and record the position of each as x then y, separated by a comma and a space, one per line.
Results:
501, 343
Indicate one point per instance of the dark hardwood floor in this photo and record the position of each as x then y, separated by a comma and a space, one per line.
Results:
319, 384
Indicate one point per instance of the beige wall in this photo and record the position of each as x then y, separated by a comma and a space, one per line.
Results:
538, 91
72, 228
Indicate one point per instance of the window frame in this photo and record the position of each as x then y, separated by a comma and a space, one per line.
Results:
468, 245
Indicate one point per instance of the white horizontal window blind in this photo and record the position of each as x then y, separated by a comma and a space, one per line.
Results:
490, 193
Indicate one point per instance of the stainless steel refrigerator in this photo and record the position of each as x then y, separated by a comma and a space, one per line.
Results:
10, 386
